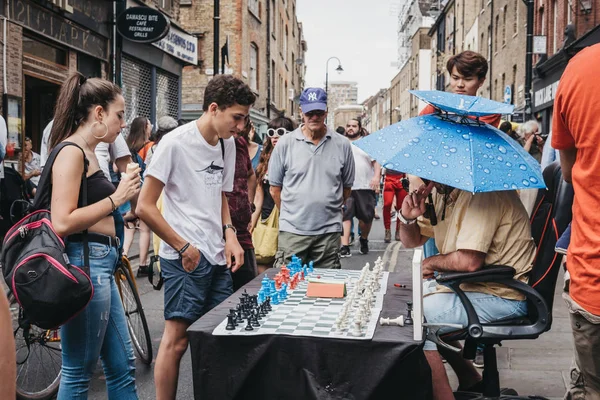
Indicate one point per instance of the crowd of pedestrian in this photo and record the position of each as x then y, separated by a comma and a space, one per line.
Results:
224, 208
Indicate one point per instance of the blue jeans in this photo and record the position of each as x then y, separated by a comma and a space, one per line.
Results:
99, 331
447, 308
429, 248
190, 295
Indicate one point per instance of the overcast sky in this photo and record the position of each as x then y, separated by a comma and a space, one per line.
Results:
361, 33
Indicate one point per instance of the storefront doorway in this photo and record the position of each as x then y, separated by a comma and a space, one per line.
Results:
40, 98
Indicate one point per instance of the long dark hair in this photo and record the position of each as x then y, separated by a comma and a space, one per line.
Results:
76, 98
265, 156
137, 134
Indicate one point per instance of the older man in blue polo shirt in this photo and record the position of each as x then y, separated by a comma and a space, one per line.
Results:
311, 172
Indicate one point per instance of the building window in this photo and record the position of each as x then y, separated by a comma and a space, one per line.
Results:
285, 43
254, 8
253, 67
166, 5
273, 83
45, 51
280, 35
481, 44
293, 68
496, 33
504, 26
273, 20
515, 16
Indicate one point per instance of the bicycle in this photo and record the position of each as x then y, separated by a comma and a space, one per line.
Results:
39, 358
134, 312
39, 353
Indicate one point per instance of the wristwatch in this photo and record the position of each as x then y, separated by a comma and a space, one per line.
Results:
252, 207
229, 226
404, 220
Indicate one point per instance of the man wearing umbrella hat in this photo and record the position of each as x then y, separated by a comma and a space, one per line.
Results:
472, 230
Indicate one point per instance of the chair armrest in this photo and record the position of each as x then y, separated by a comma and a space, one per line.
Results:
488, 273
503, 275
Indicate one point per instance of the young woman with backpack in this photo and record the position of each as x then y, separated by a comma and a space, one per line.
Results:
139, 132
90, 111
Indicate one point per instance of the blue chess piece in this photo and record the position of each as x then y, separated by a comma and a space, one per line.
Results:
275, 298
283, 292
261, 296
311, 267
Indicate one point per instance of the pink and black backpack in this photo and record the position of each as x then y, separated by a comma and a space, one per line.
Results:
35, 265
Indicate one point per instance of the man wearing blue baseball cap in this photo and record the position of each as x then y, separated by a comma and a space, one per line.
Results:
311, 172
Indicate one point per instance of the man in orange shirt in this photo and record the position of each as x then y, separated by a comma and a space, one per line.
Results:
576, 134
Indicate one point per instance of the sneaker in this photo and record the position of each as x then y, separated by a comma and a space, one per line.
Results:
563, 242
142, 270
345, 252
364, 246
397, 235
376, 215
478, 361
388, 236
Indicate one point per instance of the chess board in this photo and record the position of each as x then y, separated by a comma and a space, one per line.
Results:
299, 315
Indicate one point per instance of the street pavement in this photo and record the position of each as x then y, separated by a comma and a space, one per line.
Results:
531, 367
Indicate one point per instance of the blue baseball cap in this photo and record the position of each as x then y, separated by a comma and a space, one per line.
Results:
313, 99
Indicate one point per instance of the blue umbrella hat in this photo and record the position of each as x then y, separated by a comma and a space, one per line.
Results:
455, 150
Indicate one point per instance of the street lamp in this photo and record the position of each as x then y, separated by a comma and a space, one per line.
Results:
338, 69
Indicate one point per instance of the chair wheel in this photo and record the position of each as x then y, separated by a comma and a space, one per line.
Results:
508, 392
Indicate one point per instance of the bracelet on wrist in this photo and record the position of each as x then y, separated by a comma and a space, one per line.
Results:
114, 207
183, 249
404, 220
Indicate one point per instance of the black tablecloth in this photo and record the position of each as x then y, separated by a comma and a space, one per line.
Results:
391, 365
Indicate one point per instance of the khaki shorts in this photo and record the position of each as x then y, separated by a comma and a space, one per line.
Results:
586, 337
322, 249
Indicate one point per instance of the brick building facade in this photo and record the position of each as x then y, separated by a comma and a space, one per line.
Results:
48, 40
568, 28
266, 50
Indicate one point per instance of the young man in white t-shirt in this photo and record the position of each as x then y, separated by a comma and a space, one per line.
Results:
195, 165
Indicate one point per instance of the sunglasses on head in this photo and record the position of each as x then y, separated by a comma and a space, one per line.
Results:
315, 113
279, 132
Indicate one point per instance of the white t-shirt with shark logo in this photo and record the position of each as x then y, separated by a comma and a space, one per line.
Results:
194, 174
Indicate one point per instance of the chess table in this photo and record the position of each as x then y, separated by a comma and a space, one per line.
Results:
285, 366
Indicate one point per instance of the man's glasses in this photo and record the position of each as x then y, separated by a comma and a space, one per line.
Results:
279, 132
315, 113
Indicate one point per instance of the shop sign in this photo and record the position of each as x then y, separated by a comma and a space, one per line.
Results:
143, 24
545, 95
53, 26
181, 45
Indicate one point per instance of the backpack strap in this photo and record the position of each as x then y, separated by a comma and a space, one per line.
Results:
222, 148
43, 197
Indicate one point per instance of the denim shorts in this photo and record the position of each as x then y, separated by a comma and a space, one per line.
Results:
190, 295
447, 308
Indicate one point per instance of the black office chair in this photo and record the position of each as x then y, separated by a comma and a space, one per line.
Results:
550, 218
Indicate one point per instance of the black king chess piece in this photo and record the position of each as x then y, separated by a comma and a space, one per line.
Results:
408, 320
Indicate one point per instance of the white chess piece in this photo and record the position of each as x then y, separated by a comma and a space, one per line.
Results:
399, 321
355, 329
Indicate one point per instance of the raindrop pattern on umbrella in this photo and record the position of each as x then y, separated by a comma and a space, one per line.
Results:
462, 104
475, 158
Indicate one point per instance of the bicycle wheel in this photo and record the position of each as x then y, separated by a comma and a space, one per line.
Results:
39, 358
136, 319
